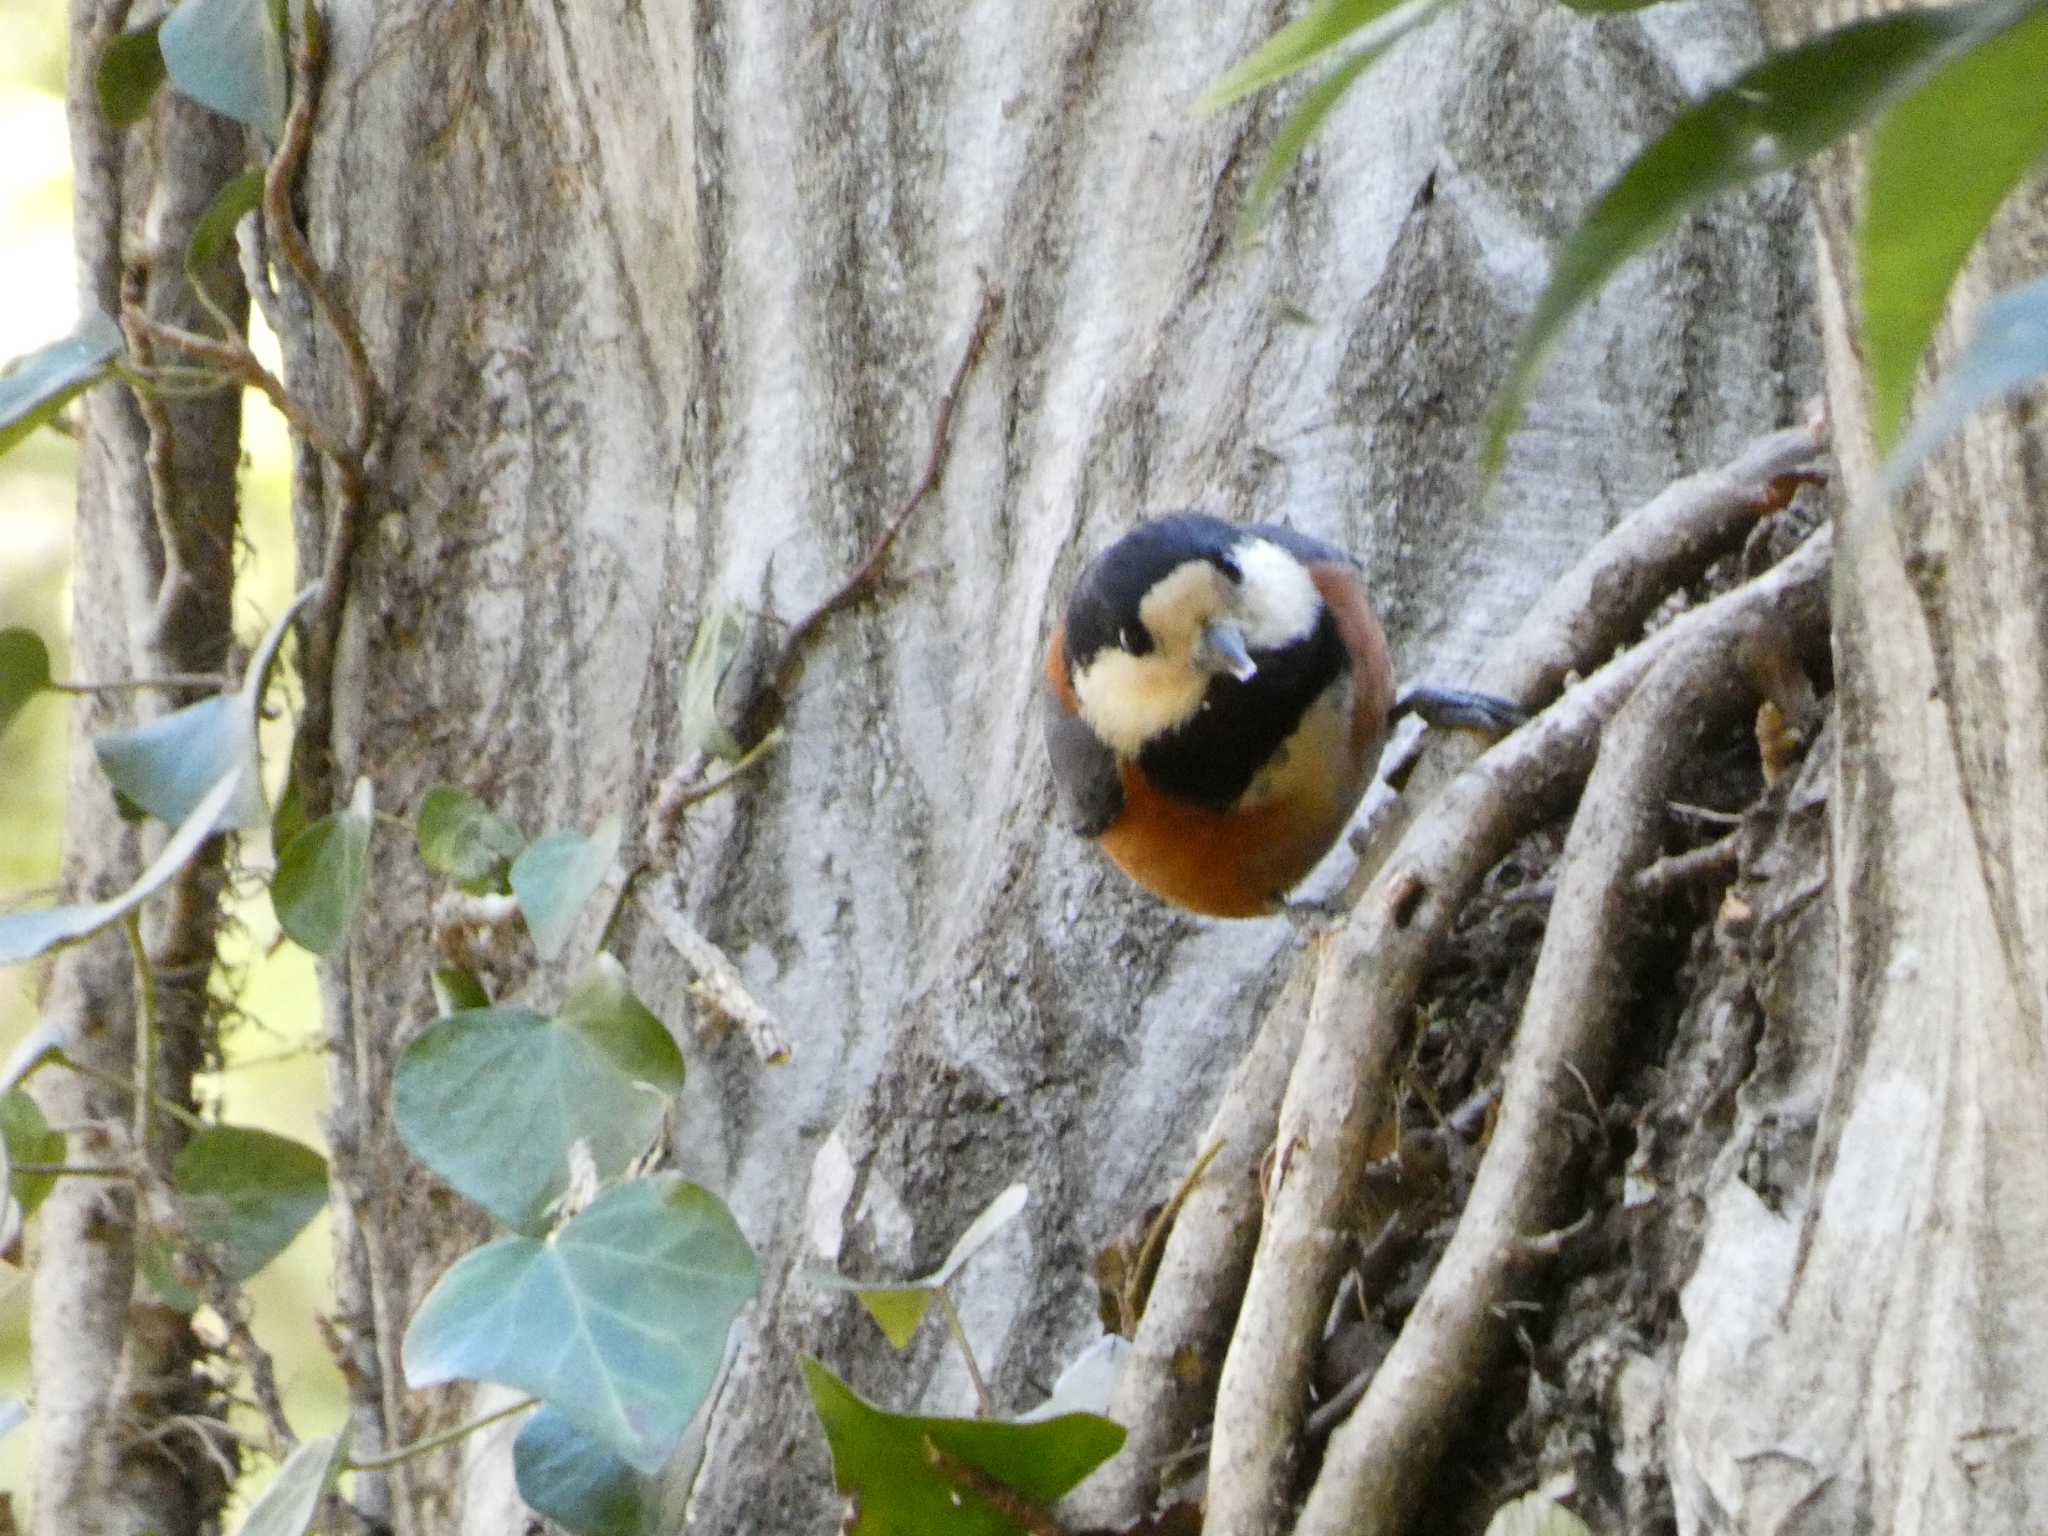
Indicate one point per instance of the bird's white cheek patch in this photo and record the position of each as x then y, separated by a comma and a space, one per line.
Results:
1127, 700
1278, 603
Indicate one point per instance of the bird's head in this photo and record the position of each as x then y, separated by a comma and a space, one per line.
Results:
1175, 607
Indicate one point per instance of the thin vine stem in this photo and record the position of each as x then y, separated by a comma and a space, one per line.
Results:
959, 1332
435, 1441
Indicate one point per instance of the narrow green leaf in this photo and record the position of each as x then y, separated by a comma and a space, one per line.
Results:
2008, 352
35, 387
1299, 128
619, 1322
462, 838
1301, 42
880, 1461
129, 73
28, 1139
288, 1506
601, 1073
898, 1306
216, 226
1941, 162
247, 1193
1790, 106
321, 877
713, 644
24, 935
24, 671
556, 875
227, 55
576, 1481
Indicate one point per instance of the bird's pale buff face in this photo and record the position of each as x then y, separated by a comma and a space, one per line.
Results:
1128, 700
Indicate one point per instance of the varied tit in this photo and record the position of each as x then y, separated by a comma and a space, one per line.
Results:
1217, 697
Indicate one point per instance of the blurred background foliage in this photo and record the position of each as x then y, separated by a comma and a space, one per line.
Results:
272, 1074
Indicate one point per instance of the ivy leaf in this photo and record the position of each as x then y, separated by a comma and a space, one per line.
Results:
248, 1193
24, 935
618, 1321
321, 876
898, 1306
2008, 352
216, 226
1929, 201
27, 1137
1789, 107
576, 1481
1298, 44
35, 388
24, 671
228, 55
288, 1506
128, 75
464, 839
169, 765
556, 875
882, 1462
600, 1072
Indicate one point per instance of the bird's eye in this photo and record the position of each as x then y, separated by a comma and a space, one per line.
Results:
1131, 640
1228, 565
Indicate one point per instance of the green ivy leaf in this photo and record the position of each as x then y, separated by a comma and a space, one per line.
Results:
24, 671
128, 75
321, 876
882, 1462
462, 838
2008, 352
24, 935
600, 1072
288, 1506
27, 1137
1790, 106
216, 226
556, 875
169, 765
228, 55
1297, 44
1940, 164
248, 1193
898, 1306
576, 1481
618, 1322
35, 388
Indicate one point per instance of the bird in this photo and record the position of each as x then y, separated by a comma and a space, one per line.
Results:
1215, 698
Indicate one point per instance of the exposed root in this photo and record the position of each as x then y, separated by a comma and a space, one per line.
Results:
1379, 1460
1168, 1387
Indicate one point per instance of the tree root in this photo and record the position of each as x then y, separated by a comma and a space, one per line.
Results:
1356, 1041
1167, 1390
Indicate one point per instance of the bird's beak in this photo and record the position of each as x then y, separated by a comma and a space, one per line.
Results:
1222, 649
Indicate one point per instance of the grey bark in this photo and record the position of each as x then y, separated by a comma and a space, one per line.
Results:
1868, 1354
116, 1393
665, 299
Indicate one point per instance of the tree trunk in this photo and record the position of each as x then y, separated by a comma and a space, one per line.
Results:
664, 302
1868, 1354
120, 1410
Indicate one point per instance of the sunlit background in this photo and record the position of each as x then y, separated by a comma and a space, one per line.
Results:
275, 1077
